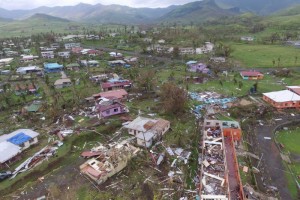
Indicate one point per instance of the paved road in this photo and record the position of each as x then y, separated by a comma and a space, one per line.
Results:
271, 165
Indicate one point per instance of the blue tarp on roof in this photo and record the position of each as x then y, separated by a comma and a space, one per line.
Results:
53, 66
19, 139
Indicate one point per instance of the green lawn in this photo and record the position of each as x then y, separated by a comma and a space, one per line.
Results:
268, 84
290, 139
252, 55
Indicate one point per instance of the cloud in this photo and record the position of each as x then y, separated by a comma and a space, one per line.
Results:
29, 4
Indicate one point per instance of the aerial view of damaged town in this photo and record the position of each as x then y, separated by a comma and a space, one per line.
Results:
150, 100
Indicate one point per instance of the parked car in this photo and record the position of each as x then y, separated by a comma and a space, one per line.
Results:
5, 175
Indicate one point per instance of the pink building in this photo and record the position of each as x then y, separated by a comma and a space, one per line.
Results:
111, 108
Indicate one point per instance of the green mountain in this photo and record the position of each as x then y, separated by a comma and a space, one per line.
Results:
5, 19
262, 7
294, 10
45, 18
94, 13
199, 11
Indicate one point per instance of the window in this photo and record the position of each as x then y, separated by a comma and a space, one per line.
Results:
207, 123
108, 111
116, 109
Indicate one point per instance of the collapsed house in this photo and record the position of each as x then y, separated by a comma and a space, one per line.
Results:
219, 175
147, 130
111, 160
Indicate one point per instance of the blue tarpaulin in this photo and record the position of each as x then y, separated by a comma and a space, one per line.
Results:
19, 139
210, 101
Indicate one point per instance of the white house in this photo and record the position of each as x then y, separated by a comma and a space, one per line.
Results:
162, 41
146, 130
64, 54
47, 54
62, 83
72, 45
29, 69
14, 143
115, 54
145, 139
247, 38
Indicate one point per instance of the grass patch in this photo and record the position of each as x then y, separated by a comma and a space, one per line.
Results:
253, 55
290, 139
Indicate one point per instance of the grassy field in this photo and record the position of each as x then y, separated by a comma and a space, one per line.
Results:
228, 87
34, 26
252, 55
290, 139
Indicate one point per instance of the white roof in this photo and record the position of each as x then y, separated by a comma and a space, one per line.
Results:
8, 151
138, 123
6, 60
293, 87
28, 68
145, 136
283, 96
117, 61
62, 81
93, 62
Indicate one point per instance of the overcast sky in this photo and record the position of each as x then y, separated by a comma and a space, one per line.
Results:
29, 4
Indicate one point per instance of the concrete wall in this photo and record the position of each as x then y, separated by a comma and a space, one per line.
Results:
284, 105
141, 142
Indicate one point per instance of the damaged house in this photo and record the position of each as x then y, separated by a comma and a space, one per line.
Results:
115, 84
112, 159
147, 130
219, 169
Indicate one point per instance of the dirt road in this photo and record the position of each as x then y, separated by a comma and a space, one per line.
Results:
271, 166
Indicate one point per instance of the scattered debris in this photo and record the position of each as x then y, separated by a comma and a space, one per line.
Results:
113, 159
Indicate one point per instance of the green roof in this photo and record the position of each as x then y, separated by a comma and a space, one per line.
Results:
73, 65
33, 107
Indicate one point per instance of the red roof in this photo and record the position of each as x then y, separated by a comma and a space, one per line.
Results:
76, 49
251, 73
92, 51
115, 84
119, 94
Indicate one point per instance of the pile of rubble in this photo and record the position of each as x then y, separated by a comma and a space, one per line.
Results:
210, 100
37, 158
111, 159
